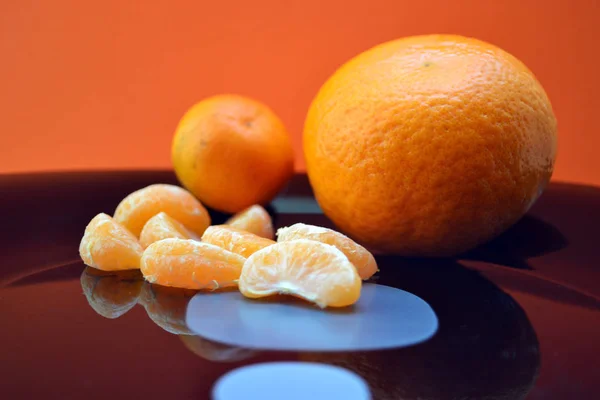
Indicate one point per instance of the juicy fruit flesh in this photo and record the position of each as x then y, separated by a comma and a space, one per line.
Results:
429, 146
235, 240
190, 264
109, 246
312, 270
254, 219
162, 226
362, 259
138, 207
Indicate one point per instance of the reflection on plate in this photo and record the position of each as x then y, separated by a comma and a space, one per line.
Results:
485, 349
384, 317
111, 294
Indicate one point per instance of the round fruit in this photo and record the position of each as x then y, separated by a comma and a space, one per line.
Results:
429, 145
232, 152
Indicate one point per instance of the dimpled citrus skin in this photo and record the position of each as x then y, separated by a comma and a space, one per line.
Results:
235, 240
362, 259
161, 226
254, 219
109, 246
232, 152
303, 268
190, 264
429, 145
138, 207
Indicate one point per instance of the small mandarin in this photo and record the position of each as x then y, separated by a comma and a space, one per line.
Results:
235, 240
109, 246
190, 264
314, 271
138, 207
232, 152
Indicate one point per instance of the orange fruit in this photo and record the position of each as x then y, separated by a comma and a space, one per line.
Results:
254, 219
161, 226
232, 152
138, 207
235, 240
111, 294
429, 145
190, 264
308, 269
109, 246
362, 259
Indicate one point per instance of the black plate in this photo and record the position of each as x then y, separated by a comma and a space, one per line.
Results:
518, 318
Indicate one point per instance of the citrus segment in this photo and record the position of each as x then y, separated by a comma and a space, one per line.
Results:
109, 246
362, 259
138, 207
235, 240
255, 219
190, 264
161, 226
308, 269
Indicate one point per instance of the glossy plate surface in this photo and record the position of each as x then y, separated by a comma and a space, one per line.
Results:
519, 318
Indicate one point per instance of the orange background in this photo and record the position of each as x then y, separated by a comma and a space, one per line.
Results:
89, 85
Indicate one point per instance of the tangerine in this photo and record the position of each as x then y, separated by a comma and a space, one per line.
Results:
232, 152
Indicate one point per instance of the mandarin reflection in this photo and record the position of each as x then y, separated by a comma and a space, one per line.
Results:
113, 294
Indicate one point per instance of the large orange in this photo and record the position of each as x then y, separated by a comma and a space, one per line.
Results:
429, 145
232, 152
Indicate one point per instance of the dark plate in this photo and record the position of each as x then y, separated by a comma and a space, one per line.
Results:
518, 318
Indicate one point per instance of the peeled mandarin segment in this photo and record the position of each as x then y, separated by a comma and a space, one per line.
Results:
190, 264
254, 219
362, 259
109, 246
161, 226
138, 207
308, 269
235, 240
